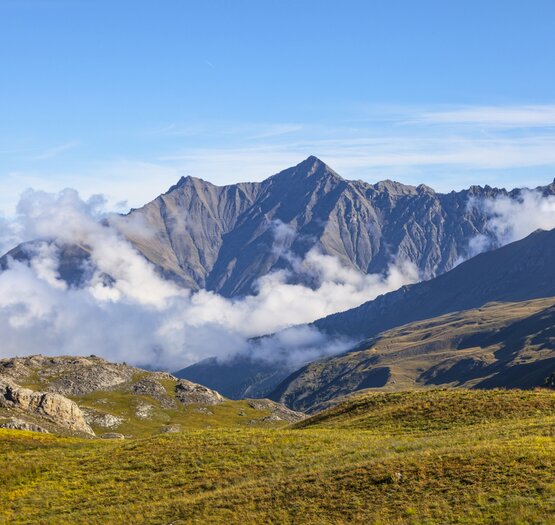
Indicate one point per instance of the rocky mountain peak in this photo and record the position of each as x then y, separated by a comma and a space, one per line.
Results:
188, 181
222, 238
312, 168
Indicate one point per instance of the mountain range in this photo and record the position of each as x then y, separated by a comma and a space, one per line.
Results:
225, 238
520, 271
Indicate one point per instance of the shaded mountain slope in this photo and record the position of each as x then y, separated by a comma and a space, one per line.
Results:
519, 271
509, 345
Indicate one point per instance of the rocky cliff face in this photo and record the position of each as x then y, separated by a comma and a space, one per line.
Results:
224, 238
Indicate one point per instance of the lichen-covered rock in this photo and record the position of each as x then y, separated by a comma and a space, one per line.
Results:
58, 409
105, 420
190, 393
19, 424
144, 411
112, 435
278, 411
171, 429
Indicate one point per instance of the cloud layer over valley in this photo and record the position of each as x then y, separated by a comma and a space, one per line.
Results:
126, 311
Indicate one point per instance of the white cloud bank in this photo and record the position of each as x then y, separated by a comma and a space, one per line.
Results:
513, 219
138, 317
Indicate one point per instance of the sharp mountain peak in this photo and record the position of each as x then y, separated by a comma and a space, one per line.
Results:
311, 167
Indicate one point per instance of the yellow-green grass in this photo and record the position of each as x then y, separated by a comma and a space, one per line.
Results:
120, 401
495, 469
226, 414
433, 409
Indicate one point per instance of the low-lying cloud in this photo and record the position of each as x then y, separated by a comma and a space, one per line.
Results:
125, 311
512, 219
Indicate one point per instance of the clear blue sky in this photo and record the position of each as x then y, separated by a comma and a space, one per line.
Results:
123, 97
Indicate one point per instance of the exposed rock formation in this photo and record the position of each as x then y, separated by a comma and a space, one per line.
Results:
68, 375
115, 397
190, 393
20, 424
278, 412
54, 407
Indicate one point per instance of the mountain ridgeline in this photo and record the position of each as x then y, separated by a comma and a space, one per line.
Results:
518, 272
225, 238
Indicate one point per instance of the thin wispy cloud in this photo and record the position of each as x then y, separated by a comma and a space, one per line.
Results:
351, 157
55, 151
276, 130
525, 116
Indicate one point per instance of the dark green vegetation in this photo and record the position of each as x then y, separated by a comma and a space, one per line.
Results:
434, 456
498, 345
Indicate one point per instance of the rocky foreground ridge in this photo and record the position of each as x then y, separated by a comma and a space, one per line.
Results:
90, 396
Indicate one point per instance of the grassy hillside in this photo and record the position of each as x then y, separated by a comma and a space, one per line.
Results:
435, 457
425, 410
131, 401
497, 345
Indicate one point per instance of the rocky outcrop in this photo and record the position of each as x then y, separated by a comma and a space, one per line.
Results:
190, 393
278, 411
104, 420
112, 435
145, 403
150, 386
68, 375
53, 407
19, 424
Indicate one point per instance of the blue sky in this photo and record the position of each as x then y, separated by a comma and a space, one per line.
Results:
124, 97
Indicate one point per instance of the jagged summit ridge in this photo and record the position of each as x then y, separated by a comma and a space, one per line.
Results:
227, 243
222, 238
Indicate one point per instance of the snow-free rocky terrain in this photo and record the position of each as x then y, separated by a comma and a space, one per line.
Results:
90, 396
225, 238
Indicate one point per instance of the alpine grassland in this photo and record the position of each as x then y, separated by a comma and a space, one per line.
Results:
425, 457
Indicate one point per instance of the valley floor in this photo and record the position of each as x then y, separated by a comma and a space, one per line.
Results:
482, 463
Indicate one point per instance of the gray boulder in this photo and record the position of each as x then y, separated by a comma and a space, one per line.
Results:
54, 407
